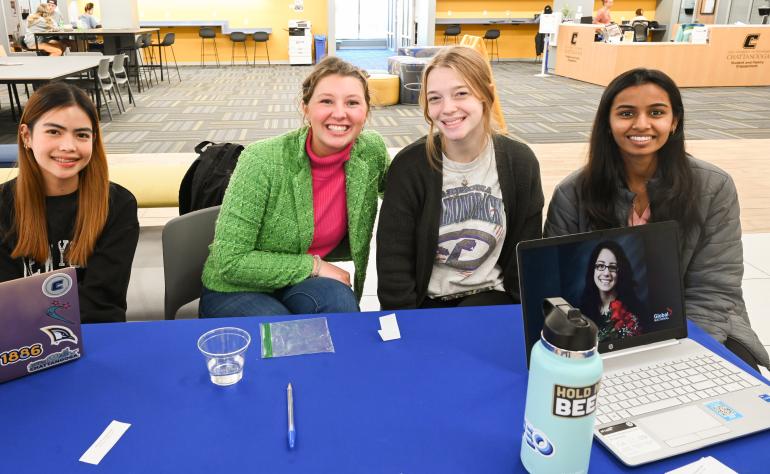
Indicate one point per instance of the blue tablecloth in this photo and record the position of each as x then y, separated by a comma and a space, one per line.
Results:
447, 397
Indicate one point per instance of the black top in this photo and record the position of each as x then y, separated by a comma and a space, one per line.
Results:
407, 234
102, 285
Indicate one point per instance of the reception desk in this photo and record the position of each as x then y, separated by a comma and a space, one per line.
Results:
735, 55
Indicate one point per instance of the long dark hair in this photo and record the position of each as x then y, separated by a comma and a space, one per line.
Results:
675, 198
30, 225
625, 283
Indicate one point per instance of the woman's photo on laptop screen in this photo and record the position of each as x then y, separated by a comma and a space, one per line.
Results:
609, 294
620, 283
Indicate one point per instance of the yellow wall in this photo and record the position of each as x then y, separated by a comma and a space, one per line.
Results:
494, 8
518, 41
273, 14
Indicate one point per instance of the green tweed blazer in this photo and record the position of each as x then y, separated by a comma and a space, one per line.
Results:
265, 227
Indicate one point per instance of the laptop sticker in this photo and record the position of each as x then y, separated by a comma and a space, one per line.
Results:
723, 410
59, 334
53, 359
58, 284
629, 440
765, 397
55, 308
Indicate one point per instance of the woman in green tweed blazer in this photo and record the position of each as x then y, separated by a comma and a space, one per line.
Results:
296, 202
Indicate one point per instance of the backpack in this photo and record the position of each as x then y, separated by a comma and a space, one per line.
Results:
206, 180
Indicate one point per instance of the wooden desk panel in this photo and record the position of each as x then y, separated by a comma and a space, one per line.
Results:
735, 56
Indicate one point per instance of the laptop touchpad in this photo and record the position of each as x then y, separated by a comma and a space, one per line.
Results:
682, 426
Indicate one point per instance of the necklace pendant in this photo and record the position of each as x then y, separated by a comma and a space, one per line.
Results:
465, 182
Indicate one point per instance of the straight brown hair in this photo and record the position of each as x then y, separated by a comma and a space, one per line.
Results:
29, 224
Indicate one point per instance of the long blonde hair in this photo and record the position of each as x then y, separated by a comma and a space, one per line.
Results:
474, 70
29, 225
41, 12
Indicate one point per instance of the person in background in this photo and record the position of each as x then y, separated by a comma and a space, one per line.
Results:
41, 22
56, 16
62, 210
639, 16
638, 171
603, 15
458, 200
297, 201
88, 19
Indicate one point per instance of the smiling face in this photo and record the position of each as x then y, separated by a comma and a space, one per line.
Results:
336, 112
454, 109
641, 120
606, 271
61, 142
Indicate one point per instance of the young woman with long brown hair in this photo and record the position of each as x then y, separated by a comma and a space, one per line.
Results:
61, 210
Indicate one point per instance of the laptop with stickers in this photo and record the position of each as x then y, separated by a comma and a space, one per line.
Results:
662, 393
39, 323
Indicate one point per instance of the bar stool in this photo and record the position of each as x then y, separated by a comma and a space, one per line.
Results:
149, 53
261, 37
453, 31
238, 37
208, 33
491, 36
168, 42
135, 64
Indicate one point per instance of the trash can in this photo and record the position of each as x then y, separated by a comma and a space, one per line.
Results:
320, 47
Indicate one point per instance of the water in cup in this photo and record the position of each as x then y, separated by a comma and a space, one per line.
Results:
224, 349
226, 371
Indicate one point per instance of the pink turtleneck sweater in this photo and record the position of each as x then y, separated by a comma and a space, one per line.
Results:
330, 210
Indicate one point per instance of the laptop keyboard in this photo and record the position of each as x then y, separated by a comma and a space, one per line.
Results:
628, 393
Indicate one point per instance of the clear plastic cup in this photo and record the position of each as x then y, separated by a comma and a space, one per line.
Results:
224, 350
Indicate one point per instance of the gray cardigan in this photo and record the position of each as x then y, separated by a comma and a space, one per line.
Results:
712, 253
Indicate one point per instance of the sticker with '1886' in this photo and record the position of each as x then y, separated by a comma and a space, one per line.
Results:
22, 353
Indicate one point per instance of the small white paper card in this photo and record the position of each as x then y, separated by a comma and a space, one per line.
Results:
389, 327
707, 465
104, 442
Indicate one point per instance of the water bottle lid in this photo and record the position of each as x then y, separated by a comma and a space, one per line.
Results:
566, 328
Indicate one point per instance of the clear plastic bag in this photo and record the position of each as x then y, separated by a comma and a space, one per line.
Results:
301, 336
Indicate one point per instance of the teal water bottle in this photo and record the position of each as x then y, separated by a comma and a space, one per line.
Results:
564, 376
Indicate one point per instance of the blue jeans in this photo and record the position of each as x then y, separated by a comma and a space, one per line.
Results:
314, 295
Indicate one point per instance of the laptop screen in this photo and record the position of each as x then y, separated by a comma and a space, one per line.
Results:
626, 280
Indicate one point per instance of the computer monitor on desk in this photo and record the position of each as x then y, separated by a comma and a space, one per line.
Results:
586, 20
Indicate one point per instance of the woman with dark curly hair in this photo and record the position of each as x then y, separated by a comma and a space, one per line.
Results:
609, 296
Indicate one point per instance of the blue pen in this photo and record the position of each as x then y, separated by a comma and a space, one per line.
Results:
290, 404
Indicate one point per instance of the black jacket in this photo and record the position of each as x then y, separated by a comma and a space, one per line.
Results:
103, 284
407, 234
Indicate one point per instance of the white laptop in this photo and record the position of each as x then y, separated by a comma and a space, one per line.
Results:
662, 393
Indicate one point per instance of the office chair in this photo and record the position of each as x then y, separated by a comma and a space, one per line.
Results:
186, 242
640, 31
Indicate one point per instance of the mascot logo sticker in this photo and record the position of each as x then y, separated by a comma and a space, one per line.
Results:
59, 334
58, 284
